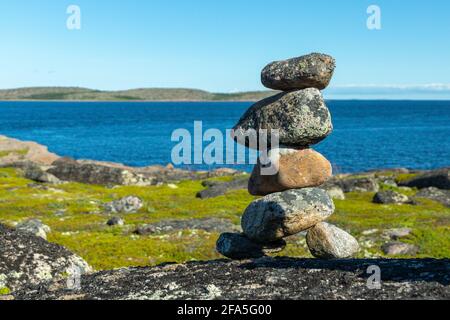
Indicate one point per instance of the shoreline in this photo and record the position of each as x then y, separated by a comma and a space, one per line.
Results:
131, 101
213, 101
13, 152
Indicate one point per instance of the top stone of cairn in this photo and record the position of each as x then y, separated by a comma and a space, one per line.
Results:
311, 71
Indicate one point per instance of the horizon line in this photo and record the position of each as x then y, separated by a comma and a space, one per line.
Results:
363, 92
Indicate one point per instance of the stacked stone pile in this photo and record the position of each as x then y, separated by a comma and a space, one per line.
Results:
291, 202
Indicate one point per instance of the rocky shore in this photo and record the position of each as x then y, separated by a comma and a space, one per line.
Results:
106, 216
43, 166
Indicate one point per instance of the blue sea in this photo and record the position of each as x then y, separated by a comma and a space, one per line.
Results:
368, 134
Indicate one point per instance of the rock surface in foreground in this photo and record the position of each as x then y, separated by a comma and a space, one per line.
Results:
29, 260
301, 117
265, 278
283, 214
311, 71
296, 169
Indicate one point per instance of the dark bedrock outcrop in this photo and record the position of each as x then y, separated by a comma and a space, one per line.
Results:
436, 178
265, 278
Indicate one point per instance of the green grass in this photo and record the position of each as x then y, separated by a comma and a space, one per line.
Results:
405, 176
20, 152
4, 291
82, 227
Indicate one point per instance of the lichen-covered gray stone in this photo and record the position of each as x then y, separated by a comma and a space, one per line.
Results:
283, 214
237, 246
130, 204
390, 197
399, 249
311, 71
301, 117
326, 241
27, 260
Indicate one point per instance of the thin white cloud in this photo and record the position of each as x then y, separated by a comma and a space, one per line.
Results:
439, 91
429, 86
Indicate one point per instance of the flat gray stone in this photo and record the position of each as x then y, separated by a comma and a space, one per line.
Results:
311, 71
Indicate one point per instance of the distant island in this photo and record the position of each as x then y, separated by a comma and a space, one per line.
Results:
150, 94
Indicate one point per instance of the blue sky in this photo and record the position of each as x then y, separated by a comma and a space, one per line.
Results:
222, 46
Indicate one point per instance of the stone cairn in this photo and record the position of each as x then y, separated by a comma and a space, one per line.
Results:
291, 202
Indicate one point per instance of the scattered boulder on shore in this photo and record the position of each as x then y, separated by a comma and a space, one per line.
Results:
35, 172
390, 197
335, 192
441, 196
397, 233
238, 246
326, 241
296, 169
264, 278
109, 173
34, 227
301, 117
128, 204
67, 169
399, 248
359, 184
167, 174
436, 178
311, 71
216, 189
115, 221
27, 260
282, 214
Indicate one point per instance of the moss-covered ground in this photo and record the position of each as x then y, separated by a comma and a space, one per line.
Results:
75, 214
